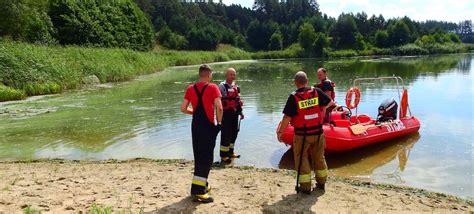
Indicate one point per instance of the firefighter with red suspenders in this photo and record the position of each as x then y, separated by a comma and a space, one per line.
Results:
232, 105
205, 98
304, 110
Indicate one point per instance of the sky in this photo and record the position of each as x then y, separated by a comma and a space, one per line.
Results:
420, 10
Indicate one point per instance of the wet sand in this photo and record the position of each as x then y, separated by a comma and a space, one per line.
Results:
163, 187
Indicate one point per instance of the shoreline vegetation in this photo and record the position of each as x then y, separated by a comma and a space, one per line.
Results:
31, 69
81, 186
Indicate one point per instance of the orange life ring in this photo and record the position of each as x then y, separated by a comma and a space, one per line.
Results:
351, 91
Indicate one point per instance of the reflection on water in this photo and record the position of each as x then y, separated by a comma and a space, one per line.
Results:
363, 161
142, 119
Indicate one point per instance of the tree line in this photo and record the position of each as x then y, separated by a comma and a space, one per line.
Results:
175, 24
276, 25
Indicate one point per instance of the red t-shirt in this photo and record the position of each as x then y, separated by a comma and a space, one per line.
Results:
210, 94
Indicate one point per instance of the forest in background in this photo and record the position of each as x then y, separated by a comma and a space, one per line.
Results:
274, 25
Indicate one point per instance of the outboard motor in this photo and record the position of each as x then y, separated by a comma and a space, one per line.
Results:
387, 110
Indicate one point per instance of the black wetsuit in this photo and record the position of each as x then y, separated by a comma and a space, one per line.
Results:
204, 135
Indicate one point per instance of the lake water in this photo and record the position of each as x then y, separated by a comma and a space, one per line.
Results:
141, 119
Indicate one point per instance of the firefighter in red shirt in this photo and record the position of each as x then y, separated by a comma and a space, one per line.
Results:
205, 97
232, 105
303, 110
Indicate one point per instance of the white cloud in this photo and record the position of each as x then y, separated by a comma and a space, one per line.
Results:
245, 3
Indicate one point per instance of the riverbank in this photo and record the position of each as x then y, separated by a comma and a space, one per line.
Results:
163, 186
296, 51
29, 69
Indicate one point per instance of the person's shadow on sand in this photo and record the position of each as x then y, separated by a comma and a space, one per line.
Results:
295, 203
186, 205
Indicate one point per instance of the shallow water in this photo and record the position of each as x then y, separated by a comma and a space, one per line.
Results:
142, 119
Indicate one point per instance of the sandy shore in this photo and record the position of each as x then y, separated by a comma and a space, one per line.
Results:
163, 187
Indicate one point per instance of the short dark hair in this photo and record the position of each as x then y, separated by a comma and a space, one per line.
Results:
204, 69
301, 78
323, 70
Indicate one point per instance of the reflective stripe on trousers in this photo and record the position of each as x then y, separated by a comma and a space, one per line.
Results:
200, 181
225, 148
230, 126
322, 173
306, 178
314, 149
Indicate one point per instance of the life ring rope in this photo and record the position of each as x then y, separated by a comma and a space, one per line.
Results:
350, 92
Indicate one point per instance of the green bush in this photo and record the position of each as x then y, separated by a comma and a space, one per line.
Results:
381, 39
233, 52
344, 32
239, 41
101, 23
26, 20
276, 41
360, 42
342, 53
408, 50
205, 38
294, 51
375, 51
171, 40
469, 47
306, 38
454, 37
42, 88
321, 42
398, 33
7, 93
421, 47
446, 48
425, 40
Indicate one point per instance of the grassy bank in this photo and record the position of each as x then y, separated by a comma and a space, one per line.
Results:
28, 69
296, 51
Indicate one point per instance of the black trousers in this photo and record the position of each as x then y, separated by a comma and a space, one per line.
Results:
230, 126
204, 140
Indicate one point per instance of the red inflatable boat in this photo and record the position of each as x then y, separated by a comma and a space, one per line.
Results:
346, 131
